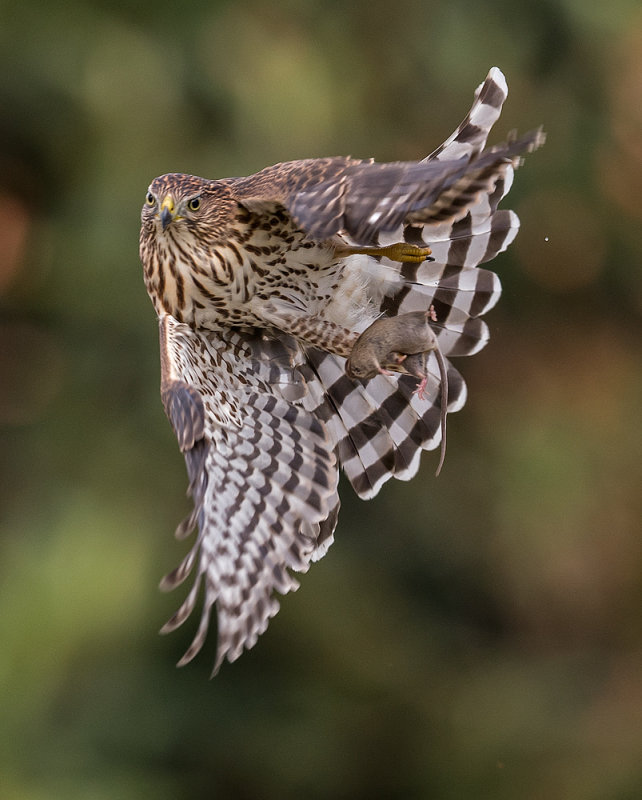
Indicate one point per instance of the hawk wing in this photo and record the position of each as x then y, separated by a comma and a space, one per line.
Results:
362, 199
264, 428
263, 477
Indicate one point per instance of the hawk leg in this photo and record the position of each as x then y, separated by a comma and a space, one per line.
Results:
310, 328
401, 251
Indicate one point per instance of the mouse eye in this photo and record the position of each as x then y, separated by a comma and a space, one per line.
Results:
150, 199
194, 204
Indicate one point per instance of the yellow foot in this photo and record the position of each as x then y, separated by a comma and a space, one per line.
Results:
395, 252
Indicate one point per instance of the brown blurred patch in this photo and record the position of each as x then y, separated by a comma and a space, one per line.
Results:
619, 163
561, 243
567, 545
31, 371
14, 226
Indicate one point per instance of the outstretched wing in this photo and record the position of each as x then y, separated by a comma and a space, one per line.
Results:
263, 477
362, 199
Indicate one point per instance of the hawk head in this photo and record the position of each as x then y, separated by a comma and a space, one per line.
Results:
186, 204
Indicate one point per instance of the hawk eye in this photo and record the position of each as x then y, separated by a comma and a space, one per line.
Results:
194, 204
150, 199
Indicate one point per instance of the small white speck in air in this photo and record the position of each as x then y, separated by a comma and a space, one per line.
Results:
546, 238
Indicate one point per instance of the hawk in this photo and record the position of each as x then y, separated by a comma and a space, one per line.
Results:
263, 285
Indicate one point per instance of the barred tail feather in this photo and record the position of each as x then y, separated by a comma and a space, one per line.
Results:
472, 133
380, 427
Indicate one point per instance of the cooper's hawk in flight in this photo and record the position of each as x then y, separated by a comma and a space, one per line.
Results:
262, 286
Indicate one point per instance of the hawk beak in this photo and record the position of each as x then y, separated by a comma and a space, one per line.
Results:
167, 211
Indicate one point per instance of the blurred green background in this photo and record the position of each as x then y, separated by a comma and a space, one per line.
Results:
473, 636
